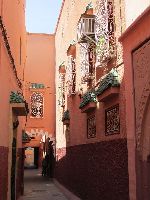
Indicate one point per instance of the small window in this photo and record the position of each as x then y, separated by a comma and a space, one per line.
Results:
71, 75
91, 126
112, 120
37, 102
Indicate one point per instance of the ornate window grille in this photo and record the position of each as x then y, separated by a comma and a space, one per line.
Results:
91, 126
112, 121
71, 75
86, 28
61, 90
37, 101
104, 31
87, 60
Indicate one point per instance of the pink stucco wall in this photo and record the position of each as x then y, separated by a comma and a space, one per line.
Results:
15, 31
131, 39
13, 18
40, 69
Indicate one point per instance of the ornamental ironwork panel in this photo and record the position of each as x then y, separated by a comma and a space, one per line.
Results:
71, 75
84, 61
37, 101
87, 61
112, 120
104, 33
91, 126
86, 29
61, 90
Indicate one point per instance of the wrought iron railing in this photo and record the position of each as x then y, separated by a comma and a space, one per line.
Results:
105, 32
71, 76
61, 90
87, 61
86, 28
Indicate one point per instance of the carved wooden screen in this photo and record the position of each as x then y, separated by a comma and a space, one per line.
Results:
61, 90
105, 31
37, 101
91, 126
87, 61
84, 62
71, 75
112, 120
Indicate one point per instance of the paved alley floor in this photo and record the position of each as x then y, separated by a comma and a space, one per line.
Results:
37, 187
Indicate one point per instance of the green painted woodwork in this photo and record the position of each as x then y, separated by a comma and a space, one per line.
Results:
112, 79
88, 97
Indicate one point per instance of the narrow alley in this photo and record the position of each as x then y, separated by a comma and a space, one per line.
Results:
37, 187
75, 101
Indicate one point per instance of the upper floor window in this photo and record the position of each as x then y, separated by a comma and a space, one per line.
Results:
86, 28
37, 101
71, 75
112, 120
105, 29
87, 63
71, 69
91, 126
61, 85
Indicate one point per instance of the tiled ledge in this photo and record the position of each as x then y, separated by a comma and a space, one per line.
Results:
109, 93
89, 107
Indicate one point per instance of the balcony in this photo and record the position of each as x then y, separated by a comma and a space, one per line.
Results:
71, 76
86, 28
18, 104
87, 77
89, 102
66, 118
108, 86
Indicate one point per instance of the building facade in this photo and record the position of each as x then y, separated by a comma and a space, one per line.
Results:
136, 48
40, 93
91, 140
13, 106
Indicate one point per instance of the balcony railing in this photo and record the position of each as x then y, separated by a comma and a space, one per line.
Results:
87, 59
61, 90
71, 76
105, 32
86, 28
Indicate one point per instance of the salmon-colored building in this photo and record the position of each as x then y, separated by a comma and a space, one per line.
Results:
13, 106
40, 93
86, 90
102, 98
136, 50
91, 140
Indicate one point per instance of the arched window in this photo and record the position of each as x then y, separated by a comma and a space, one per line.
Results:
37, 101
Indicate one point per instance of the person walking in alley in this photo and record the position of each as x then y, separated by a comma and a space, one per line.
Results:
44, 167
51, 160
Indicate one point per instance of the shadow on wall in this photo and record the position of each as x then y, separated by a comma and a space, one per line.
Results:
95, 171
